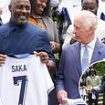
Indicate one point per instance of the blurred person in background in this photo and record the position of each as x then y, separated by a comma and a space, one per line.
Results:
93, 80
90, 5
40, 17
54, 3
101, 9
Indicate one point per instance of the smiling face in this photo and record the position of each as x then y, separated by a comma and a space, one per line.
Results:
20, 11
40, 6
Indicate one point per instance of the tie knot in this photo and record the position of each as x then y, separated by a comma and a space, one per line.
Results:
86, 46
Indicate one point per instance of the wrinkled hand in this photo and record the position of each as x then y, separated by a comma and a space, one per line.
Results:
43, 56
2, 59
62, 96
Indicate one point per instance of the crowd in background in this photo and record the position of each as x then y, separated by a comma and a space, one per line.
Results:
91, 86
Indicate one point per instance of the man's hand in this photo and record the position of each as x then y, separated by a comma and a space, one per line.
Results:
2, 59
45, 59
62, 96
43, 56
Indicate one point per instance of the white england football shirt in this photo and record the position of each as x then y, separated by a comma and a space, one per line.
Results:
24, 81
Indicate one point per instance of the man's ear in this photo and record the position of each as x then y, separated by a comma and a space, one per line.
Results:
91, 28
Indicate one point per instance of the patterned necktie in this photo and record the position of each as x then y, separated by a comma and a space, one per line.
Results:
85, 58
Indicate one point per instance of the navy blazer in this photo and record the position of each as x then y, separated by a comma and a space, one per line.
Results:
69, 71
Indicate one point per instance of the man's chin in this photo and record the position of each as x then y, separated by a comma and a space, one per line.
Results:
22, 21
78, 40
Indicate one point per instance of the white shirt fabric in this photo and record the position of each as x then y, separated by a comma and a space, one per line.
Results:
101, 8
32, 76
75, 102
0, 102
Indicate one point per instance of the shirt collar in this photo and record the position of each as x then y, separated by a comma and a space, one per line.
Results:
12, 24
91, 44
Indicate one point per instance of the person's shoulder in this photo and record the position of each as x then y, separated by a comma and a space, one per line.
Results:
99, 43
100, 46
101, 22
88, 77
70, 30
48, 20
71, 46
71, 27
98, 77
4, 28
34, 28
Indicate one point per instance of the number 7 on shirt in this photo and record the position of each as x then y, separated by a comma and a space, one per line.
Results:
23, 80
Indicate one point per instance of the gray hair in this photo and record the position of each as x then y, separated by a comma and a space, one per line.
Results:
88, 19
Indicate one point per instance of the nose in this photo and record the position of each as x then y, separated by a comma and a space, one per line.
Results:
44, 4
24, 10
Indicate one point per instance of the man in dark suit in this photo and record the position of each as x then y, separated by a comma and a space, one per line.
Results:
70, 68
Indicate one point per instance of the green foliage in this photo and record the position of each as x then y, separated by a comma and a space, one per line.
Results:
100, 68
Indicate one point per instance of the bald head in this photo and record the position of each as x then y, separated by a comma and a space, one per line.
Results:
13, 1
16, 1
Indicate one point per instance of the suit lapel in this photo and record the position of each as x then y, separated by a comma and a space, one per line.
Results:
97, 53
77, 59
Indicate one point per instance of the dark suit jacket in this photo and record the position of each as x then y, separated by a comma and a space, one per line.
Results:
69, 71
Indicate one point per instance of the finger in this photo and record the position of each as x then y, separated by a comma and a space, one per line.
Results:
2, 56
44, 60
